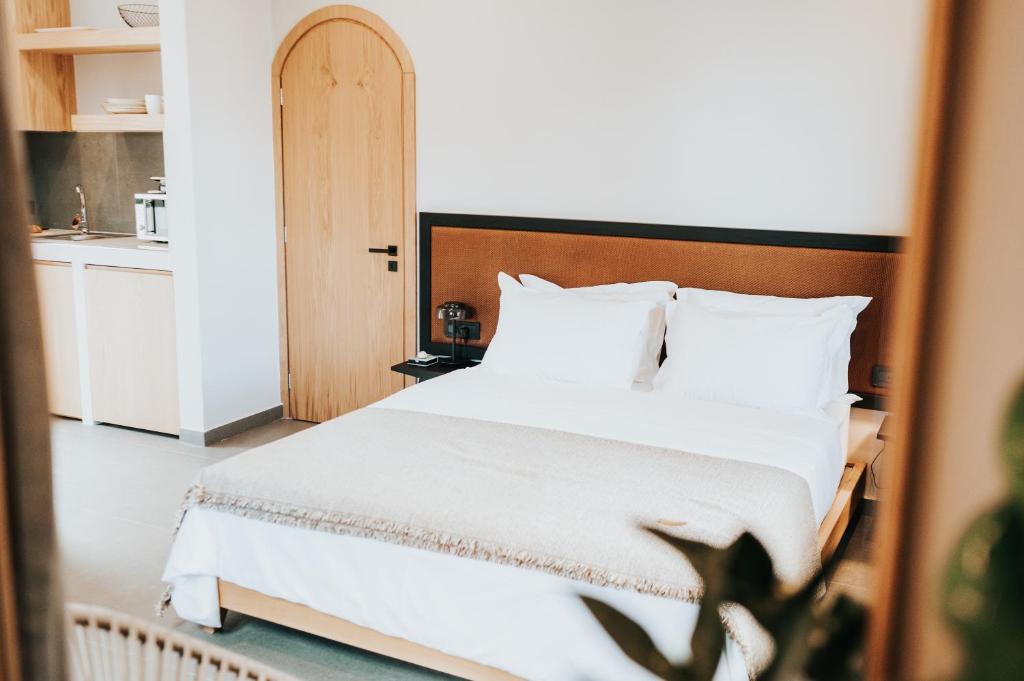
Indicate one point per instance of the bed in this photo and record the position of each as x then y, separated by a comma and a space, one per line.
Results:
496, 615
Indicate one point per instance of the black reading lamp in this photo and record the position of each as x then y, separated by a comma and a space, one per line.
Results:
450, 313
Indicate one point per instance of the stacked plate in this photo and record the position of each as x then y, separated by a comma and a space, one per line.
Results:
124, 105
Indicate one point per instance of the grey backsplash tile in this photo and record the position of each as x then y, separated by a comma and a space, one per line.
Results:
111, 167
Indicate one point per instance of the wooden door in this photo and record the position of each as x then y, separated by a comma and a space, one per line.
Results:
60, 337
342, 169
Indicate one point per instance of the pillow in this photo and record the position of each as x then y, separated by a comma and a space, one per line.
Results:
639, 288
565, 337
769, 361
726, 301
659, 292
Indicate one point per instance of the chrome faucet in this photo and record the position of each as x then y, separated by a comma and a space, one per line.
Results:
83, 224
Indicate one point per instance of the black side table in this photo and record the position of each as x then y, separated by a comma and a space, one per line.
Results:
429, 372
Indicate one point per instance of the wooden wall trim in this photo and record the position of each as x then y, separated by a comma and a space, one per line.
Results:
914, 311
282, 295
409, 212
381, 28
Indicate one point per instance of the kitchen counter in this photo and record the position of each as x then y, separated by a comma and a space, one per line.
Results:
113, 252
128, 307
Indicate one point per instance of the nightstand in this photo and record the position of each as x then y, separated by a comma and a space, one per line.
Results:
427, 373
868, 430
884, 434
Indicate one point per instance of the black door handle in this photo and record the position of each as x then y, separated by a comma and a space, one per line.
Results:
390, 250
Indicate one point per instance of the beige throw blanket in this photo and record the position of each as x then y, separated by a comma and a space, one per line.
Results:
567, 504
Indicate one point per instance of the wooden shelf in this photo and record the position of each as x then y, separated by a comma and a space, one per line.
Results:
92, 41
117, 123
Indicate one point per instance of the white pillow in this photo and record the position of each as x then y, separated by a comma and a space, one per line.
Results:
659, 292
564, 337
639, 288
770, 361
726, 301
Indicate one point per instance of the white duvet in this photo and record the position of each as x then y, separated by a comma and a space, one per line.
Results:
526, 622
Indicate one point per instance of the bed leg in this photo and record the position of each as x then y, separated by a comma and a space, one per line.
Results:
223, 621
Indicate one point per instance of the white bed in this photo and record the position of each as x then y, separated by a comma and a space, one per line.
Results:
528, 623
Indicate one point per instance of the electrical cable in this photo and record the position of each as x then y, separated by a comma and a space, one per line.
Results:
874, 476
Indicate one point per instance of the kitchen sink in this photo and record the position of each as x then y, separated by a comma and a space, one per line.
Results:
86, 237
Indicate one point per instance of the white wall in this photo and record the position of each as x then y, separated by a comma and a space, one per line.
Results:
215, 74
794, 114
117, 75
220, 182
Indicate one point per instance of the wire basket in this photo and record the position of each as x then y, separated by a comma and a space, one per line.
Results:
108, 646
136, 15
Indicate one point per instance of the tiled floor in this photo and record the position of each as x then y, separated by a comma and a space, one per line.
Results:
118, 492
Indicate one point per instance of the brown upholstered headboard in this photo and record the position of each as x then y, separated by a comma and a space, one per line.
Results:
461, 255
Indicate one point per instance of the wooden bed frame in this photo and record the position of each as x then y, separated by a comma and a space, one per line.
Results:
460, 256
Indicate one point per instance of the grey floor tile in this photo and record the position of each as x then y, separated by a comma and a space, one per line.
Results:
112, 561
305, 655
128, 481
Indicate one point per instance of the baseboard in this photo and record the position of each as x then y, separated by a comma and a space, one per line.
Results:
209, 437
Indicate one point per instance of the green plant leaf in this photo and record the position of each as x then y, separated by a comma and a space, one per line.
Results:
984, 595
633, 640
751, 569
1013, 447
702, 557
741, 572
836, 639
728, 575
810, 641
789, 621
707, 641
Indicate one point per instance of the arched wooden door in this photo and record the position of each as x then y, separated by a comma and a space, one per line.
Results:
345, 174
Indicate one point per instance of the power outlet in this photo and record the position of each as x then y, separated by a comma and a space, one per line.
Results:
881, 375
463, 330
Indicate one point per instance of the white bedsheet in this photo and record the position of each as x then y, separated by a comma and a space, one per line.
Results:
529, 623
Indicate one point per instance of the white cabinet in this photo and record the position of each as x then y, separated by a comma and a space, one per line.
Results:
54, 283
132, 357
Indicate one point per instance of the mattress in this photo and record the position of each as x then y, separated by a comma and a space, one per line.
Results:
529, 623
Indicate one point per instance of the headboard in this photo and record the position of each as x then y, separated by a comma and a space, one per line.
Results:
461, 255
